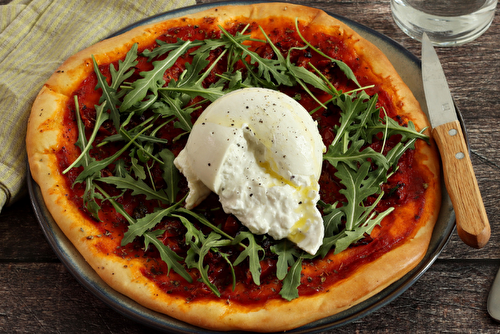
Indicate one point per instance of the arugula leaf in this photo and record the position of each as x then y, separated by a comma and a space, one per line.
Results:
252, 252
291, 282
84, 160
343, 66
183, 115
364, 226
352, 107
192, 73
365, 107
195, 238
205, 222
225, 256
399, 150
193, 234
303, 76
354, 155
357, 189
151, 79
393, 128
89, 197
138, 187
136, 167
141, 138
211, 93
125, 68
287, 252
170, 174
108, 95
196, 257
332, 220
234, 80
166, 254
148, 222
143, 152
117, 206
141, 106
98, 165
190, 85
165, 47
84, 144
267, 68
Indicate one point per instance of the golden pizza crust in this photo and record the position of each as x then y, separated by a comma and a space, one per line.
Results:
45, 135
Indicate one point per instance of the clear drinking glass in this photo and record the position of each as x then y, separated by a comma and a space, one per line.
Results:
446, 22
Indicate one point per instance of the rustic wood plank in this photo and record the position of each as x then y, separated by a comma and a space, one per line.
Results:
21, 237
45, 298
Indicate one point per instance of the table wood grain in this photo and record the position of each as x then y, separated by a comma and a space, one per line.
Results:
38, 294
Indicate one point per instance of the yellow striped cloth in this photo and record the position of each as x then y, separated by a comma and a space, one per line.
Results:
36, 36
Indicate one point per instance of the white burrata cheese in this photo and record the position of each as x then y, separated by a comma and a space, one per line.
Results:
261, 152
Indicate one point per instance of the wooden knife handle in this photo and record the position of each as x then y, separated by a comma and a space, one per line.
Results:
471, 219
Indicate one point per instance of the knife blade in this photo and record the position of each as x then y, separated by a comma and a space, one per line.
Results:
494, 299
471, 219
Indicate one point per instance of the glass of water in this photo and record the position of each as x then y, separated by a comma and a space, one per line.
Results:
446, 22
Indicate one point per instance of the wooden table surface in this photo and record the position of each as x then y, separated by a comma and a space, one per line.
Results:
38, 294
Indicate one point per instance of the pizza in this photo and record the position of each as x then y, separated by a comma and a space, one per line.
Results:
248, 167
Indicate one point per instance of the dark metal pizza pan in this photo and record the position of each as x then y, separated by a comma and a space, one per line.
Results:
409, 68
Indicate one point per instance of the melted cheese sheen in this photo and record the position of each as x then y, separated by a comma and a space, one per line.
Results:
261, 152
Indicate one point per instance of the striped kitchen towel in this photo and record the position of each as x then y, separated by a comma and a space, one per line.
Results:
36, 36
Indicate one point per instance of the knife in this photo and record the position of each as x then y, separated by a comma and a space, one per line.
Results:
471, 219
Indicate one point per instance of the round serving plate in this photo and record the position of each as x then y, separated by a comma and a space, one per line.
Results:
409, 68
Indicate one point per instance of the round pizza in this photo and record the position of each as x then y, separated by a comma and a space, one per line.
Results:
248, 167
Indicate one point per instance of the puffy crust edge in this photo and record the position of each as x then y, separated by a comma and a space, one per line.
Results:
44, 137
